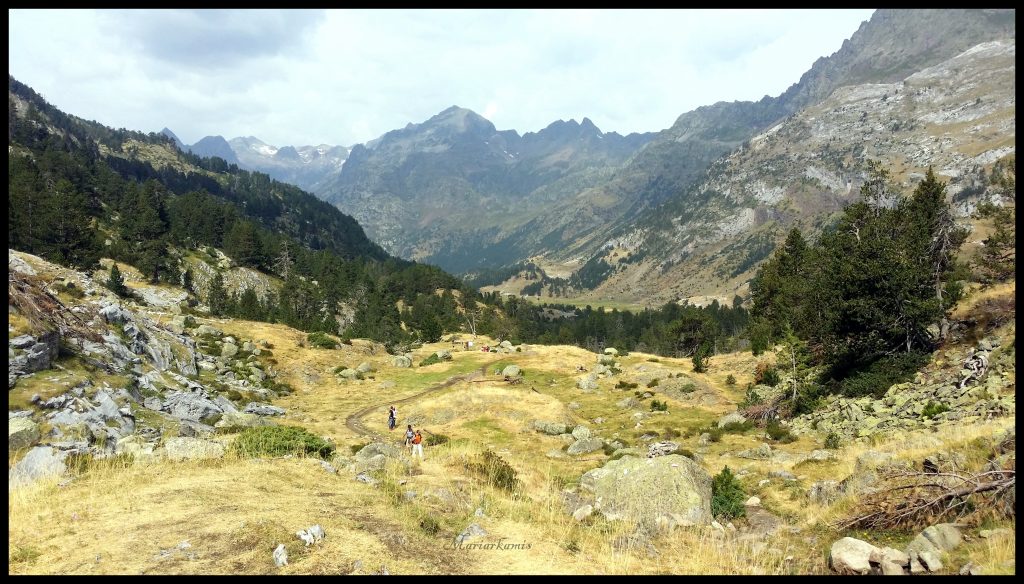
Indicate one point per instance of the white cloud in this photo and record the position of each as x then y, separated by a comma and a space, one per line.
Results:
347, 76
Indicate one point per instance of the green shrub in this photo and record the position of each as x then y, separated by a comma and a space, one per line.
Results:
730, 380
727, 496
832, 441
714, 432
430, 360
190, 322
751, 398
670, 433
654, 360
653, 382
497, 472
779, 433
685, 452
932, 409
625, 385
737, 427
429, 525
688, 388
767, 376
321, 340
876, 378
339, 369
281, 440
437, 439
658, 406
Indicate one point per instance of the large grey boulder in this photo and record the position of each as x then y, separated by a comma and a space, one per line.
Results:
189, 406
41, 461
21, 433
364, 367
851, 556
585, 446
628, 403
401, 361
944, 536
183, 448
207, 330
511, 371
378, 448
643, 489
588, 383
762, 452
228, 350
444, 355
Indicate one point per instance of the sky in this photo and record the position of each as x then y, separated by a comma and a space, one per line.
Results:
308, 77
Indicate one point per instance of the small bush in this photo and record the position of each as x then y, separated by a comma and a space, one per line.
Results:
437, 439
430, 360
688, 388
653, 382
658, 406
832, 441
730, 380
877, 377
766, 374
190, 322
429, 525
737, 427
654, 360
625, 385
281, 440
339, 369
321, 340
779, 433
670, 433
714, 433
932, 409
751, 398
497, 472
71, 290
727, 496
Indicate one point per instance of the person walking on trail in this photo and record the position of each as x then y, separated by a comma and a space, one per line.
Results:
417, 445
392, 417
409, 435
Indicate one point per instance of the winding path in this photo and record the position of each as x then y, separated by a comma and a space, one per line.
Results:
354, 421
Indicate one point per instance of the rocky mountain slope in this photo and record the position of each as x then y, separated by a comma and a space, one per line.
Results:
457, 192
957, 115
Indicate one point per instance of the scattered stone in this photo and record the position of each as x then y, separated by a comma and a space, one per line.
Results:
762, 452
944, 536
753, 502
280, 556
261, 409
237, 421
22, 432
581, 432
890, 569
328, 467
930, 560
888, 554
733, 418
184, 448
444, 355
41, 461
550, 428
585, 446
583, 512
851, 556
820, 455
365, 478
401, 361
588, 383
824, 492
511, 371
661, 449
228, 350
969, 569
472, 531
311, 535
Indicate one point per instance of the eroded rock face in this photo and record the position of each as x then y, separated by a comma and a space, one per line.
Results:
643, 489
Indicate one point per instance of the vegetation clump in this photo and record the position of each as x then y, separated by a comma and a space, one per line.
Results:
727, 496
279, 441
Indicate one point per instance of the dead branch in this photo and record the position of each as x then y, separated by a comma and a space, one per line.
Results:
43, 310
931, 496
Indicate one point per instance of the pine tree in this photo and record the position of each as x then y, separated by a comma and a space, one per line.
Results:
998, 259
217, 297
115, 283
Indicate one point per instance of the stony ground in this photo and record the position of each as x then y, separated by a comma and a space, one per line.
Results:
164, 492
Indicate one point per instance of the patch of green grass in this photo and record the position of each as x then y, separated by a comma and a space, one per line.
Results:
322, 340
779, 433
279, 441
430, 360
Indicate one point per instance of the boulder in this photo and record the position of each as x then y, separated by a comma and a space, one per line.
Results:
378, 449
228, 350
261, 409
888, 554
851, 556
401, 361
824, 492
189, 406
642, 489
237, 421
21, 433
444, 355
733, 418
581, 432
944, 536
661, 449
348, 373
611, 351
930, 560
628, 403
505, 344
183, 448
588, 383
583, 512
762, 452
364, 367
40, 462
511, 371
470, 532
207, 330
550, 428
753, 502
890, 569
280, 556
585, 446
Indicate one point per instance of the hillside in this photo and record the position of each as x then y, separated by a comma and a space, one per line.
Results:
101, 454
957, 116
